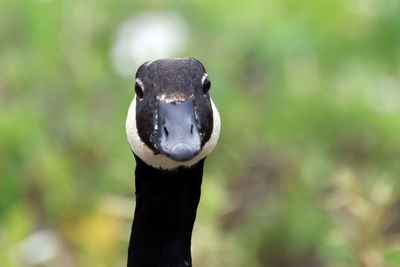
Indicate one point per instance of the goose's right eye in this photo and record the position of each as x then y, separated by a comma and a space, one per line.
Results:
206, 85
138, 90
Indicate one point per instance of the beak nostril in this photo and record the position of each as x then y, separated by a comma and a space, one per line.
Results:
191, 129
166, 131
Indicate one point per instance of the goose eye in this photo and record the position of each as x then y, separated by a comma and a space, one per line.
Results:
138, 90
206, 85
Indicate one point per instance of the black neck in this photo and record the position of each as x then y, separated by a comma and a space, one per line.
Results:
166, 204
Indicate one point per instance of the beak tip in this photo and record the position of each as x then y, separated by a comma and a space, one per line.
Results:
183, 152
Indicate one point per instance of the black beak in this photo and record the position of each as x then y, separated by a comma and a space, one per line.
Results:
177, 135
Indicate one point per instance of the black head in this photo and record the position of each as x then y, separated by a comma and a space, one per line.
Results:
172, 121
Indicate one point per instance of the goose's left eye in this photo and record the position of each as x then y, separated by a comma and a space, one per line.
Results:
139, 90
206, 85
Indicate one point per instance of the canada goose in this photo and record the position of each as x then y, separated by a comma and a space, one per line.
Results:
172, 125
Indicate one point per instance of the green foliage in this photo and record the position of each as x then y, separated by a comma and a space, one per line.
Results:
307, 168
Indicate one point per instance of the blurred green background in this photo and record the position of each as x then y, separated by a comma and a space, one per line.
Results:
307, 169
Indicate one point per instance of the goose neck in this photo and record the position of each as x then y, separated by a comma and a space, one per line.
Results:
166, 204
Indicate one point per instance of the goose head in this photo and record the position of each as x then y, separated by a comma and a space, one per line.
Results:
172, 120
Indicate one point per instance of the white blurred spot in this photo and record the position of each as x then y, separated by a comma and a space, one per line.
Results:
148, 36
39, 247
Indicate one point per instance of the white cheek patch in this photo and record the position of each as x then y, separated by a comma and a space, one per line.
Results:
159, 160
